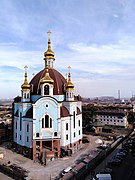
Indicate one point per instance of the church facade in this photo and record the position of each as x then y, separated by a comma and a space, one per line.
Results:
47, 118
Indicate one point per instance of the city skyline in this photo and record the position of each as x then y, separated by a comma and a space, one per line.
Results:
96, 38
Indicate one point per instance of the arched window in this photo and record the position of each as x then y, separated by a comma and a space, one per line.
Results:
24, 95
46, 121
42, 122
50, 122
46, 90
28, 95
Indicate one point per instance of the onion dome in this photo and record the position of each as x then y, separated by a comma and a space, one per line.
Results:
49, 54
47, 78
69, 85
25, 85
58, 85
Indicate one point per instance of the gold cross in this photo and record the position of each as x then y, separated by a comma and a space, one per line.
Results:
69, 69
25, 67
49, 34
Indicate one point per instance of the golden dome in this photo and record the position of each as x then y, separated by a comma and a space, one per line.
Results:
25, 85
47, 78
69, 85
49, 54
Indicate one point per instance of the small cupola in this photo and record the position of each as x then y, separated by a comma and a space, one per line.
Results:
25, 87
69, 85
49, 54
47, 78
46, 83
69, 88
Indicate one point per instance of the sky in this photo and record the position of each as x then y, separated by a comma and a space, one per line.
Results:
95, 37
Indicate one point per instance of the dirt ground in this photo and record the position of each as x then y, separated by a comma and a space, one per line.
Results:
53, 168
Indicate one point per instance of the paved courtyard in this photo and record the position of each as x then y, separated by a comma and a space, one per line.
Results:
53, 168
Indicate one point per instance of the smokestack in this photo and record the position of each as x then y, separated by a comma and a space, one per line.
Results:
119, 94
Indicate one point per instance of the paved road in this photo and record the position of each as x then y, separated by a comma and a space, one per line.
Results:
4, 177
126, 170
118, 172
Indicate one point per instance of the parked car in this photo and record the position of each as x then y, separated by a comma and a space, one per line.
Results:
120, 154
118, 157
102, 177
68, 169
114, 162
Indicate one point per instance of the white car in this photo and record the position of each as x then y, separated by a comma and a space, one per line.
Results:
102, 177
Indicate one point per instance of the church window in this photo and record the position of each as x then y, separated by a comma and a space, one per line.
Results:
42, 122
66, 126
66, 136
74, 118
46, 90
16, 125
46, 121
55, 133
74, 134
28, 95
79, 123
37, 134
50, 122
79, 132
24, 95
27, 139
20, 121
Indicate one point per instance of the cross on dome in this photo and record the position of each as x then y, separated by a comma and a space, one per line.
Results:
69, 67
49, 34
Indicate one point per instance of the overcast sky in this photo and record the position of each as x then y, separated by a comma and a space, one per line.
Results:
95, 37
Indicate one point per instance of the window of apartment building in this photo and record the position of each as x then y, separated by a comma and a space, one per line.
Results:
121, 120
119, 117
15, 135
74, 134
66, 136
20, 137
66, 126
27, 127
117, 120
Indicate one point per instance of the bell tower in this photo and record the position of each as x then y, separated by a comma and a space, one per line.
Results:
49, 54
25, 88
69, 87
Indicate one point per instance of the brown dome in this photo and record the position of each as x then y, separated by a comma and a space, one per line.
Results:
59, 82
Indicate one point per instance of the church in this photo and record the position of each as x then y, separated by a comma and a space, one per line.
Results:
47, 118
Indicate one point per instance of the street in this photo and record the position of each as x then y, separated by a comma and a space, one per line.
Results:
125, 171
